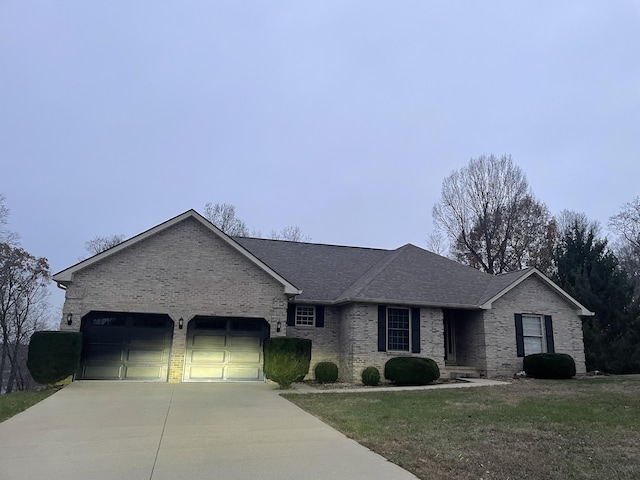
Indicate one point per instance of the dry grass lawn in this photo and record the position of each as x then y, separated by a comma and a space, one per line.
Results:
586, 428
14, 403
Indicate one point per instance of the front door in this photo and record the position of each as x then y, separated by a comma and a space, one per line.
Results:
449, 340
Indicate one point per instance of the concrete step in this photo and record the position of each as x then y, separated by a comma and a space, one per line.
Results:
461, 371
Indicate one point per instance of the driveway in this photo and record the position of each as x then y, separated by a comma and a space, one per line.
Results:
188, 431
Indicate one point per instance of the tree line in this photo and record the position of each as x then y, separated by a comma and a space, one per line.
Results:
223, 216
24, 306
488, 218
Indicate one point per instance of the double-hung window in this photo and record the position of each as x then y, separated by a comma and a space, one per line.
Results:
532, 334
398, 329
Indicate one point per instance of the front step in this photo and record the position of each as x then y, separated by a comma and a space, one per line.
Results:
460, 371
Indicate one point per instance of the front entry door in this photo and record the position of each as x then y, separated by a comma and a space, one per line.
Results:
449, 340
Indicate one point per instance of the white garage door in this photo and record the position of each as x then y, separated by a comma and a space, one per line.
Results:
225, 349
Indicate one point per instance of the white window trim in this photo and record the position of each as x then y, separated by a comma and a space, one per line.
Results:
408, 350
542, 336
305, 325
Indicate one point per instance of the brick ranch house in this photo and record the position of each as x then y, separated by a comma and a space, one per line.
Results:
185, 302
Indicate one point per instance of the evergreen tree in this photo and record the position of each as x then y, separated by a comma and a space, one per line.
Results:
591, 273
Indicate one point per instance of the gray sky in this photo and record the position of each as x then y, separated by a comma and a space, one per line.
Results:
342, 117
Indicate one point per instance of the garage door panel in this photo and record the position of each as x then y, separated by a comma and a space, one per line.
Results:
207, 356
246, 342
243, 373
147, 338
146, 356
244, 357
102, 372
104, 335
206, 373
205, 341
103, 354
143, 372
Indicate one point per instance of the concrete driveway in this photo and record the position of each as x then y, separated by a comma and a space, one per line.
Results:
157, 431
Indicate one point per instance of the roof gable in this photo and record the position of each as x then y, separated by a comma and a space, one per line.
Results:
508, 281
65, 277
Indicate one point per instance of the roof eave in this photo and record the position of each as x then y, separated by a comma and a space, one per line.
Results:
415, 303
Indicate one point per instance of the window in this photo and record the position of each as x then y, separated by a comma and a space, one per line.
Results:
532, 334
305, 316
398, 329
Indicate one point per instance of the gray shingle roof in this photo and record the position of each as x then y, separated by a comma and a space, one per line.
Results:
407, 275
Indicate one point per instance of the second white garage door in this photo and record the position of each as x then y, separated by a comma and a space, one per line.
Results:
225, 349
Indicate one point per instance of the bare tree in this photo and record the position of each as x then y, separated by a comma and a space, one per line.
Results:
223, 216
491, 218
436, 243
627, 225
99, 244
23, 307
6, 236
569, 220
290, 233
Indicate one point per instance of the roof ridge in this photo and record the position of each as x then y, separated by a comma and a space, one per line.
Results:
370, 275
312, 243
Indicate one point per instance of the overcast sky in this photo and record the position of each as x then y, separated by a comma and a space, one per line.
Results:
341, 117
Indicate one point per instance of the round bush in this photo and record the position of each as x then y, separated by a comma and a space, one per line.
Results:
549, 365
326, 372
411, 371
370, 376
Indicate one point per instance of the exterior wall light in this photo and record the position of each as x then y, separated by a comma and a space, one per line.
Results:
69, 318
278, 326
180, 323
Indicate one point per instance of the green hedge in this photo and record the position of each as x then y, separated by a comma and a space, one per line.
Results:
286, 360
53, 356
326, 372
549, 365
411, 371
370, 376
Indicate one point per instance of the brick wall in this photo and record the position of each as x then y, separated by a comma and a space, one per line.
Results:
359, 333
324, 340
535, 297
183, 271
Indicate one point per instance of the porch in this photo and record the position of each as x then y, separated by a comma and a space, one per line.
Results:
464, 344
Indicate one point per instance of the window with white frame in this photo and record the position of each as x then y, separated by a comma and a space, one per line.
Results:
532, 334
398, 332
305, 316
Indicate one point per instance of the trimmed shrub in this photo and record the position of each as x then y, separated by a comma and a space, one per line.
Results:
411, 371
549, 365
370, 376
53, 356
286, 360
326, 372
